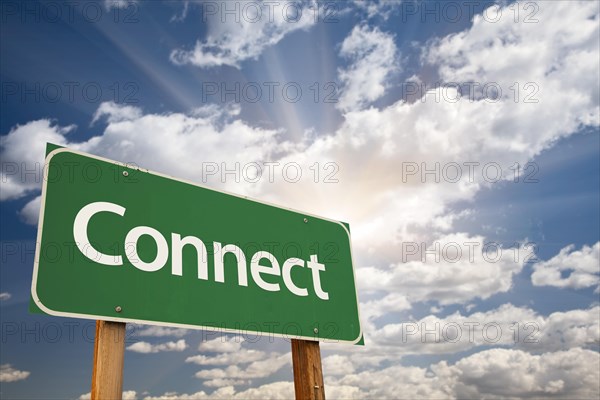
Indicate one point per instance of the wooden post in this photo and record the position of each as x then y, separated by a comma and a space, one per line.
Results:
109, 351
308, 372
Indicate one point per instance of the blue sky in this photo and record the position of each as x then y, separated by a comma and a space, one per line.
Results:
174, 87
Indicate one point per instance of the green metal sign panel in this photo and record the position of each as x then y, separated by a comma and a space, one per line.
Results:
125, 244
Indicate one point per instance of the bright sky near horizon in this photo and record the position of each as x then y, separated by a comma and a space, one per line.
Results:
459, 139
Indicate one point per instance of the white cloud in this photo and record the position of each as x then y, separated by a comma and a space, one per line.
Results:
389, 303
492, 374
22, 153
373, 309
505, 326
158, 331
224, 382
4, 296
373, 58
9, 374
336, 365
126, 395
456, 268
500, 373
116, 113
241, 356
257, 369
145, 347
374, 8
562, 330
109, 4
436, 310
131, 136
31, 212
222, 344
260, 25
394, 337
270, 391
558, 54
373, 147
411, 382
129, 395
583, 267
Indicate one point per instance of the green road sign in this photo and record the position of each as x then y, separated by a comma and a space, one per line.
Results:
125, 244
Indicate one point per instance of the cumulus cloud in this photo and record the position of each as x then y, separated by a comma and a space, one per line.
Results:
31, 212
145, 347
582, 268
22, 153
397, 335
456, 268
373, 58
133, 136
389, 303
494, 373
501, 373
270, 391
116, 113
242, 364
385, 152
336, 365
254, 370
259, 26
507, 325
222, 344
127, 395
543, 53
158, 331
224, 382
9, 374
412, 382
242, 356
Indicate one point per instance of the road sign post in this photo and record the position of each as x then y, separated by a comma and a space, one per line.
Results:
308, 371
109, 349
